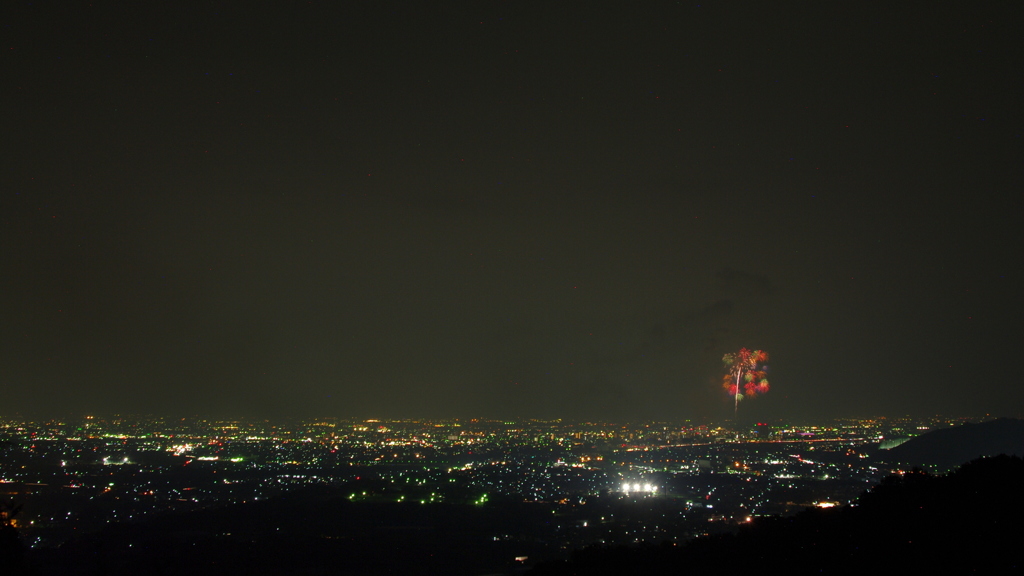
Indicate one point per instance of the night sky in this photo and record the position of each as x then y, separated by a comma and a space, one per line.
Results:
510, 209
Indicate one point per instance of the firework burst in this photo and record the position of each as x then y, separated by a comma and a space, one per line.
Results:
745, 369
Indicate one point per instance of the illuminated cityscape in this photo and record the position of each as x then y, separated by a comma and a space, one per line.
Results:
599, 483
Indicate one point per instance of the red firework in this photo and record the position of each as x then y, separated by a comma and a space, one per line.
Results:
746, 366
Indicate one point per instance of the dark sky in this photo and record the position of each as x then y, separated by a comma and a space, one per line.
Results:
509, 209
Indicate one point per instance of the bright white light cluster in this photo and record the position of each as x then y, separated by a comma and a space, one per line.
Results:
637, 487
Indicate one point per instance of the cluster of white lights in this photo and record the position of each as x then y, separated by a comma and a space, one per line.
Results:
637, 487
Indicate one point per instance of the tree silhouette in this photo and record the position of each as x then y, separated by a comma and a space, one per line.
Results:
12, 553
746, 366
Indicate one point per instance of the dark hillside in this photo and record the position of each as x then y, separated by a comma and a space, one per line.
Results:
314, 531
966, 522
950, 447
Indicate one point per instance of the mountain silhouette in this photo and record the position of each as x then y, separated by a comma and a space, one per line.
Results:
948, 447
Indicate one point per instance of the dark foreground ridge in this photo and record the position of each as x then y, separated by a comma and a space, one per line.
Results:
964, 522
316, 531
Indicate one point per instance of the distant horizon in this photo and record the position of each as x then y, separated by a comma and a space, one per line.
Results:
348, 418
